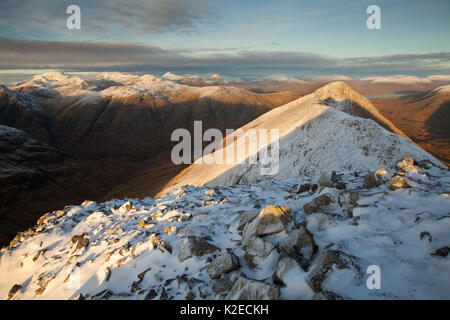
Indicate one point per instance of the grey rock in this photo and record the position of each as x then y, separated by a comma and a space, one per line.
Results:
348, 199
243, 217
328, 262
224, 263
371, 181
301, 242
151, 294
257, 249
319, 203
285, 264
249, 289
271, 220
194, 246
225, 283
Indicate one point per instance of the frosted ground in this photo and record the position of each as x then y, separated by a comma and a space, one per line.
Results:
134, 247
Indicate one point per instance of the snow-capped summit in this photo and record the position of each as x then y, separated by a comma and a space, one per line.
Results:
334, 128
51, 80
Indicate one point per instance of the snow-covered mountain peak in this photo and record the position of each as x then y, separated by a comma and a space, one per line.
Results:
52, 81
316, 135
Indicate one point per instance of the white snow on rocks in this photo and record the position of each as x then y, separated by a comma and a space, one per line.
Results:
101, 251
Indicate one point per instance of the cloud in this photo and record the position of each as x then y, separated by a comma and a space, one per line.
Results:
158, 15
46, 18
438, 77
397, 79
136, 57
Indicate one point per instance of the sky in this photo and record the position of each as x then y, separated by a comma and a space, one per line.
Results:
299, 38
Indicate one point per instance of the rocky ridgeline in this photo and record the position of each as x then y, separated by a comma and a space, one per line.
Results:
293, 239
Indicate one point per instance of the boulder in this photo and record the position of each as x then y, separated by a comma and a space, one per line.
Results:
225, 282
348, 199
285, 265
45, 218
185, 217
224, 263
318, 203
398, 182
165, 246
144, 224
242, 218
15, 288
371, 181
328, 262
170, 229
303, 188
194, 246
382, 175
257, 249
271, 220
300, 241
407, 164
151, 294
249, 289
82, 240
125, 207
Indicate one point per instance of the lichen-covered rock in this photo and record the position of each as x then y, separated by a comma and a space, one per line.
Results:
319, 203
329, 262
301, 242
194, 246
271, 220
224, 263
249, 289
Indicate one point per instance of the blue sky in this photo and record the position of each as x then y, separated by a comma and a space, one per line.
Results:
326, 35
